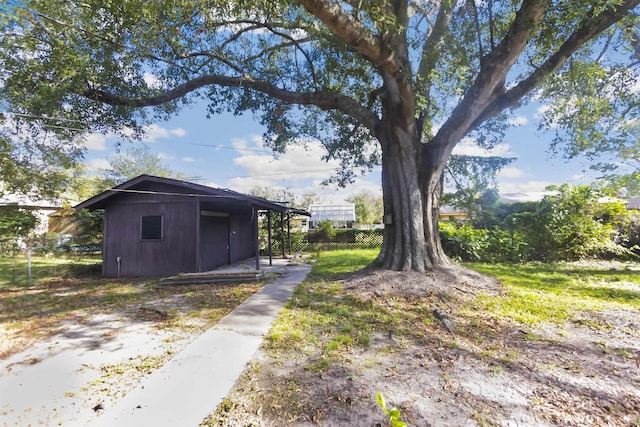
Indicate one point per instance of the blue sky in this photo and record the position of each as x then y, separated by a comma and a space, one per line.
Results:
240, 162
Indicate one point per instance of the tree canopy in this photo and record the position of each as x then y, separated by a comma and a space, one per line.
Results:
133, 162
394, 82
368, 207
34, 163
473, 185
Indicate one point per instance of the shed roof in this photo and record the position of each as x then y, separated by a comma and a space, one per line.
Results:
139, 185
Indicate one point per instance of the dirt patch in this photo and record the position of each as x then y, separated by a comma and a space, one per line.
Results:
457, 367
70, 349
454, 279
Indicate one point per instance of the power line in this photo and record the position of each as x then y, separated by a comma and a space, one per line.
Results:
226, 147
284, 173
33, 116
44, 117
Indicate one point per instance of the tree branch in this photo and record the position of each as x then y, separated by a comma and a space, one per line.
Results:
322, 99
476, 21
304, 53
431, 52
354, 33
489, 84
491, 25
588, 29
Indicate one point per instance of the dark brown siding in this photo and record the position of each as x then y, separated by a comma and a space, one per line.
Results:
214, 241
174, 253
242, 236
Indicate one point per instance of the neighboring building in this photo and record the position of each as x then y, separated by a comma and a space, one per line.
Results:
42, 209
341, 216
633, 203
449, 213
160, 226
300, 222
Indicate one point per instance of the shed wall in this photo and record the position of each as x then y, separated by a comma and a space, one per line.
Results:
242, 236
174, 253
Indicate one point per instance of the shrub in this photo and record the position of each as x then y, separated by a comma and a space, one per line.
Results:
572, 223
629, 236
324, 233
463, 242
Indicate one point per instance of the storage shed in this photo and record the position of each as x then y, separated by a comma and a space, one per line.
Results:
157, 226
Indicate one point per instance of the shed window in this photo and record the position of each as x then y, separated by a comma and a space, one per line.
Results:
151, 227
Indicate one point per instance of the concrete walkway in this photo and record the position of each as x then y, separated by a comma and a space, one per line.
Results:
192, 384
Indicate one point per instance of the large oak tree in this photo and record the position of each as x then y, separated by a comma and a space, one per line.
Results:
392, 81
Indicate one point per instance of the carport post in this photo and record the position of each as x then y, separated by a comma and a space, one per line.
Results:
282, 234
289, 232
256, 235
269, 227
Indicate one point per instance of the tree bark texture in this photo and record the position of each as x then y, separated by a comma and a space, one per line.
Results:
411, 204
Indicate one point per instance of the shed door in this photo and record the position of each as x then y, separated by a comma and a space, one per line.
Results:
214, 241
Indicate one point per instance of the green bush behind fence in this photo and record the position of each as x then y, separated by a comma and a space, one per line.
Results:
342, 239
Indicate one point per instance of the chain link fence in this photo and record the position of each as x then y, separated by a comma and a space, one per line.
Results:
27, 261
343, 239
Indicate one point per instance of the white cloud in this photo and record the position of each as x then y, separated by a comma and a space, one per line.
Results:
338, 196
96, 141
298, 162
152, 81
542, 110
523, 191
469, 147
300, 170
518, 187
511, 172
635, 88
246, 184
239, 143
96, 164
518, 121
165, 156
154, 132
188, 159
213, 184
252, 144
578, 177
326, 195
178, 132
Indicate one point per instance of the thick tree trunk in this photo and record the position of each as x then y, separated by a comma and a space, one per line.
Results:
410, 178
411, 197
404, 245
433, 164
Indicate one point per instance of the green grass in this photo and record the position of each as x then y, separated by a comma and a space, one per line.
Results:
331, 263
325, 324
321, 314
14, 271
554, 292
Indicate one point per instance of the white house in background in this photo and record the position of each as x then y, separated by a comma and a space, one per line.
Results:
42, 209
341, 216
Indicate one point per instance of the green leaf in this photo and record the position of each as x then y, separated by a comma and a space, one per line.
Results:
394, 413
381, 403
